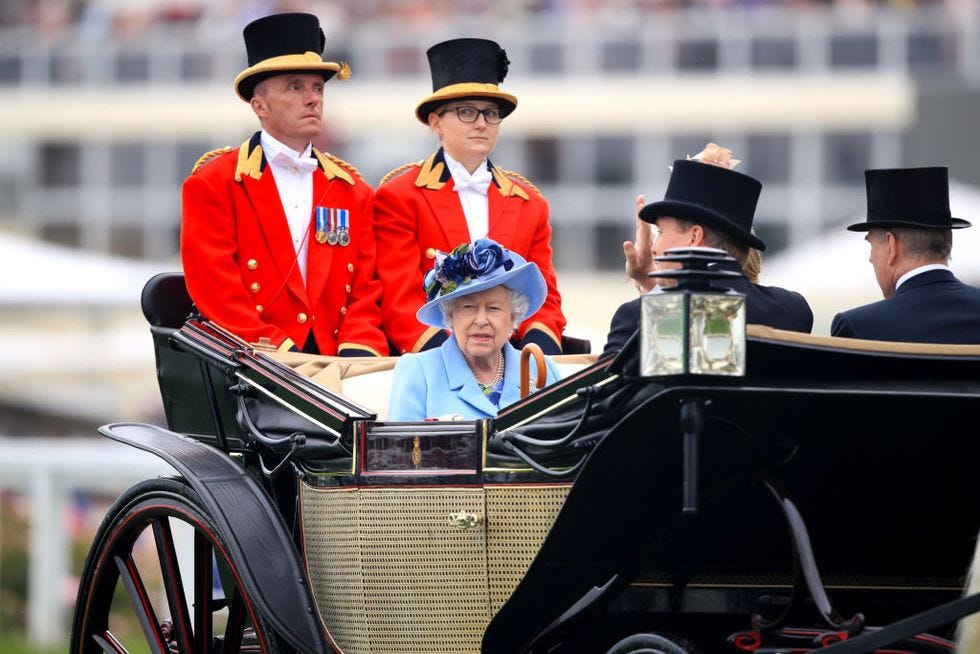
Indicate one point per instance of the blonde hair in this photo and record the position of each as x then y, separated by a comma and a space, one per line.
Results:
748, 258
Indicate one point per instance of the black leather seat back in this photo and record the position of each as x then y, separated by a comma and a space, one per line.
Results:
165, 300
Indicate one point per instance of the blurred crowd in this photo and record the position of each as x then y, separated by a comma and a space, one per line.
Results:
127, 17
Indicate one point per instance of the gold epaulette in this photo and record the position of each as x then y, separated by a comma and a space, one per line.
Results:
208, 156
521, 178
338, 163
392, 174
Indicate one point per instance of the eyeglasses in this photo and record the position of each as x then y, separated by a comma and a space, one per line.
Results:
469, 114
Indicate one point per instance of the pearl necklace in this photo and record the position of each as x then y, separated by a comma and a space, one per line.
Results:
497, 375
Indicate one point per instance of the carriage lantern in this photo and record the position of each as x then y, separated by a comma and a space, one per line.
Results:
693, 328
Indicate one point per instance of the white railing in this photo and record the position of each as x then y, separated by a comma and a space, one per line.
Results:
48, 471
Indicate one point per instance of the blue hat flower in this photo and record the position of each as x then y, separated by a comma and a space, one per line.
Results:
474, 267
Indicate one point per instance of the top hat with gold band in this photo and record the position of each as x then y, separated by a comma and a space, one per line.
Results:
284, 43
916, 198
466, 68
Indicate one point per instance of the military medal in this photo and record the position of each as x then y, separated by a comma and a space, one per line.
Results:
332, 233
321, 225
343, 236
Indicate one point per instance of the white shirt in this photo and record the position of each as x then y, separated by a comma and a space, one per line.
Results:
295, 188
918, 271
475, 203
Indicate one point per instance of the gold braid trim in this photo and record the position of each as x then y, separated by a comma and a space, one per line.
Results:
392, 174
506, 185
430, 175
249, 163
522, 178
208, 156
334, 166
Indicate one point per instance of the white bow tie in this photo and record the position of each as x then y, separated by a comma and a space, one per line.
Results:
479, 182
300, 164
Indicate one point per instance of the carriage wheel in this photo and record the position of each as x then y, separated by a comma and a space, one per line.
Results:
648, 644
133, 590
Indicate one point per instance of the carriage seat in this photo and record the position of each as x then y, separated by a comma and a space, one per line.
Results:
165, 300
367, 380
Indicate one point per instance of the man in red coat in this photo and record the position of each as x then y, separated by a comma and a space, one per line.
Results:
277, 239
456, 196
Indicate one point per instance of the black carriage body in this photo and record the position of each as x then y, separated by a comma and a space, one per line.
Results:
835, 479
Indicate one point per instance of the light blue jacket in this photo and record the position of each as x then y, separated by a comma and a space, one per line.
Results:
438, 382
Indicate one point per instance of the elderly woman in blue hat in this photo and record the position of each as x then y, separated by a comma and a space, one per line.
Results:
481, 292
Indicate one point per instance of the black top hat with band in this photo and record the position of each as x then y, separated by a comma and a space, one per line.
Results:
466, 68
916, 198
710, 195
284, 43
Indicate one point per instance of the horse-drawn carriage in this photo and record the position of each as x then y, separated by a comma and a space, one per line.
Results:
827, 491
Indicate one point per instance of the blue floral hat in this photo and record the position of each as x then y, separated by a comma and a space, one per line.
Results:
474, 267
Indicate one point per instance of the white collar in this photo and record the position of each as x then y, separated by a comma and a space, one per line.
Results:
272, 146
460, 174
918, 271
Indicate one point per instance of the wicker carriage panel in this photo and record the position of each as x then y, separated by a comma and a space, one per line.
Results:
418, 584
518, 519
333, 558
431, 576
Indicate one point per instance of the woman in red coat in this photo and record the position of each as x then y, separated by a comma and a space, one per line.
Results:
457, 195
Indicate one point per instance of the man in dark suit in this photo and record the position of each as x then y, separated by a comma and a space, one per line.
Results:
909, 228
712, 206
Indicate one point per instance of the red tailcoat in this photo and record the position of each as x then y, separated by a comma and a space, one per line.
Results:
240, 264
418, 212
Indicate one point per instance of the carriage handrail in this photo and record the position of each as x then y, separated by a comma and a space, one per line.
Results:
763, 332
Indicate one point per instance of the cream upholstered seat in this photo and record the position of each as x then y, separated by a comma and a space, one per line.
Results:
367, 380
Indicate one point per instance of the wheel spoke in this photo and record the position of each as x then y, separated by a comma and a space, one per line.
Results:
133, 583
236, 624
108, 643
203, 593
173, 584
169, 509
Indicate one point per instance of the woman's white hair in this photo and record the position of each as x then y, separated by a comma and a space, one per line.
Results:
519, 305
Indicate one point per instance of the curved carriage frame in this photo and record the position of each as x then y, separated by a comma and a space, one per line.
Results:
726, 512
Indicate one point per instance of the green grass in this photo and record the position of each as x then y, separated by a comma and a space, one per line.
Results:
17, 643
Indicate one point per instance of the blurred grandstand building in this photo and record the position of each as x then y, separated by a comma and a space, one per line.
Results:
106, 104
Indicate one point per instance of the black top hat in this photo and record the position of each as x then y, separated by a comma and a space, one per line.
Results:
711, 195
284, 43
466, 68
908, 197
